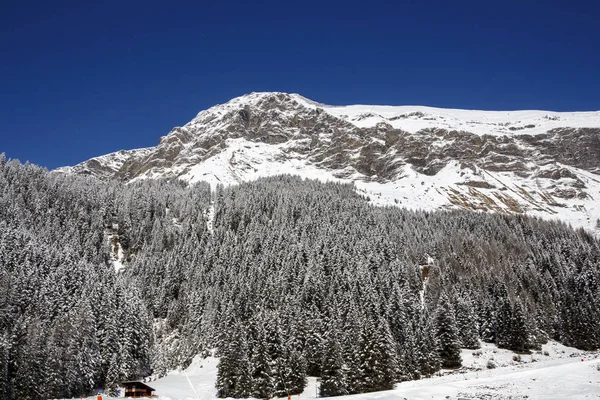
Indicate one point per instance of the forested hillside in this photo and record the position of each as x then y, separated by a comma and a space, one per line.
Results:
68, 322
294, 278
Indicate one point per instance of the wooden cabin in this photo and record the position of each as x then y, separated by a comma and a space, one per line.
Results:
137, 389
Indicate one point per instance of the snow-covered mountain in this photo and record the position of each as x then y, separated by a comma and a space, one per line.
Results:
535, 162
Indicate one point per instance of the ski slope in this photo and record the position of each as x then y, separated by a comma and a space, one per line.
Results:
557, 372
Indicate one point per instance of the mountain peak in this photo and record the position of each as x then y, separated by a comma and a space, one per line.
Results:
535, 162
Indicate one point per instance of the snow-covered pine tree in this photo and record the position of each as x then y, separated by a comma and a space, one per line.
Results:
312, 346
295, 372
30, 362
277, 353
333, 375
428, 348
378, 368
233, 376
447, 334
466, 322
113, 376
519, 332
407, 349
4, 360
384, 348
504, 318
351, 346
262, 381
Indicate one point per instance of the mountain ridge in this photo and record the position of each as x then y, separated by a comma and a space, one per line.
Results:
534, 162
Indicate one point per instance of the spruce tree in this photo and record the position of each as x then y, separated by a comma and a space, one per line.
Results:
466, 322
295, 373
233, 374
519, 333
428, 349
378, 366
333, 375
504, 320
113, 376
262, 381
447, 334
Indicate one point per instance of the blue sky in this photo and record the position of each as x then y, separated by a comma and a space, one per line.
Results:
84, 78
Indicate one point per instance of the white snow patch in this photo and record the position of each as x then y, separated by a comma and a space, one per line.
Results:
210, 217
244, 160
117, 255
118, 262
498, 123
197, 382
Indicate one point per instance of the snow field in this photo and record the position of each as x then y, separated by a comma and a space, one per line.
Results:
556, 372
415, 118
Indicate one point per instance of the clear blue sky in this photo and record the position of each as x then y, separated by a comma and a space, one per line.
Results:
83, 78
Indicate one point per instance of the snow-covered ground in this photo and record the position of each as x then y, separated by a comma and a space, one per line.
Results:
557, 372
446, 190
244, 160
415, 118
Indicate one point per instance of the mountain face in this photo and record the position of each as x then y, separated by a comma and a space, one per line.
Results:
534, 162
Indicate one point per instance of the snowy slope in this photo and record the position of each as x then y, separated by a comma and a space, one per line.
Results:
416, 118
243, 161
534, 162
557, 372
510, 194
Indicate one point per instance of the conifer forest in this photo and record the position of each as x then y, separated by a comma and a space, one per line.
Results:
283, 278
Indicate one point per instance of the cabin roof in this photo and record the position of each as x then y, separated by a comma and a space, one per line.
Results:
138, 383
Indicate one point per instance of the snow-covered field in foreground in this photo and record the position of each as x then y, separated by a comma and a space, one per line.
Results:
557, 372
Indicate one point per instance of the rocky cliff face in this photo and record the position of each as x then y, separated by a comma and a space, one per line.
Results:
535, 162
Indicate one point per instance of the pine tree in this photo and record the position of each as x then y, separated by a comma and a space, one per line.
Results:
233, 375
30, 360
84, 348
351, 348
4, 366
428, 351
466, 322
333, 375
378, 366
312, 347
519, 333
295, 373
113, 376
278, 354
261, 379
408, 351
487, 321
384, 348
447, 333
503, 324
